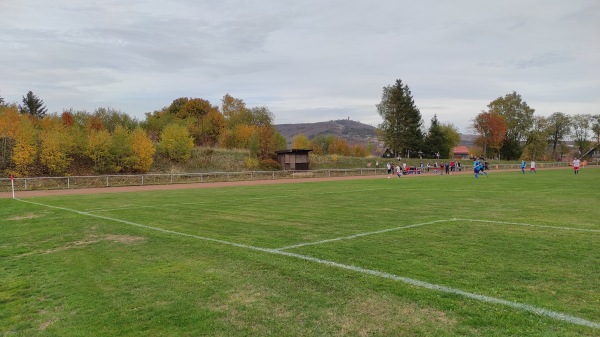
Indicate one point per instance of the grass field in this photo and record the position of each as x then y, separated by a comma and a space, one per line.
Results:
507, 255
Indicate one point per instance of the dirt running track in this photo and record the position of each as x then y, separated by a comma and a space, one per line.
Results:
40, 193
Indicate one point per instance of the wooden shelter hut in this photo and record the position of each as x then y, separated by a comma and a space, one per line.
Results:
294, 159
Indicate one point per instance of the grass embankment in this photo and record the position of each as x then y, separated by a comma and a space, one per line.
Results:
204, 262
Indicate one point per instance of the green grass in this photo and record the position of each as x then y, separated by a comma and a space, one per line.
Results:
204, 261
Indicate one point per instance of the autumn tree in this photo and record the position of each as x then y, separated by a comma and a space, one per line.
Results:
358, 150
300, 141
519, 120
320, 144
339, 146
25, 148
491, 129
121, 150
9, 122
156, 121
211, 126
112, 118
235, 111
98, 150
176, 143
195, 112
143, 150
267, 141
401, 127
33, 105
559, 127
55, 145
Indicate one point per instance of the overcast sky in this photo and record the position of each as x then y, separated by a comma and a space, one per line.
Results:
307, 61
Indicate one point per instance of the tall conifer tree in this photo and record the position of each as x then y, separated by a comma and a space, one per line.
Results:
402, 122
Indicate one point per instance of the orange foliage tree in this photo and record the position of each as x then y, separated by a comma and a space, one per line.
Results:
339, 146
491, 130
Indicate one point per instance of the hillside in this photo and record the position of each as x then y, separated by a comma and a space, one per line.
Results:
353, 132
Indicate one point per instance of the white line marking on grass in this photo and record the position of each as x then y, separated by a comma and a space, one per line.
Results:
363, 234
417, 283
532, 225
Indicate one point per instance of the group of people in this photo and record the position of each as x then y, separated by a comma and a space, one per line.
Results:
479, 167
403, 169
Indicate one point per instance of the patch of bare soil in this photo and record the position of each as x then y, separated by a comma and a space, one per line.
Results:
91, 239
24, 217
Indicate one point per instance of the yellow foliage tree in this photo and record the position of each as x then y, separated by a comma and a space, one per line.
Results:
243, 134
266, 136
339, 146
143, 150
55, 147
121, 149
359, 151
25, 149
300, 141
98, 150
9, 121
176, 143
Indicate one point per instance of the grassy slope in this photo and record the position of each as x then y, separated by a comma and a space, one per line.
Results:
65, 273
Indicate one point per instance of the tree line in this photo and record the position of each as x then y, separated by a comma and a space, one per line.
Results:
34, 142
107, 141
508, 130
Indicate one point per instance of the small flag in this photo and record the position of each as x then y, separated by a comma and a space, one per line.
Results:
11, 177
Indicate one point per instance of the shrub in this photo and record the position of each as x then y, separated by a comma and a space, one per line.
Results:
251, 163
269, 165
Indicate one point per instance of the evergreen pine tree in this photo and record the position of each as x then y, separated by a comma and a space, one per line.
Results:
436, 140
402, 122
33, 105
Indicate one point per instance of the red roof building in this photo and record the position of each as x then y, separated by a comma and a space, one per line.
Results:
460, 152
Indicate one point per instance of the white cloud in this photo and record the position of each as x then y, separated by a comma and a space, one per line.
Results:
307, 61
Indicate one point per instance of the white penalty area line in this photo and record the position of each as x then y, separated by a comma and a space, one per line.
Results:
354, 236
559, 316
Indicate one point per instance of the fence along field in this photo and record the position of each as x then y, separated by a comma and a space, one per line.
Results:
511, 254
77, 182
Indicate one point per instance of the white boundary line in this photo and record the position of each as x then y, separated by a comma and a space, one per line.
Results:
559, 316
532, 225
